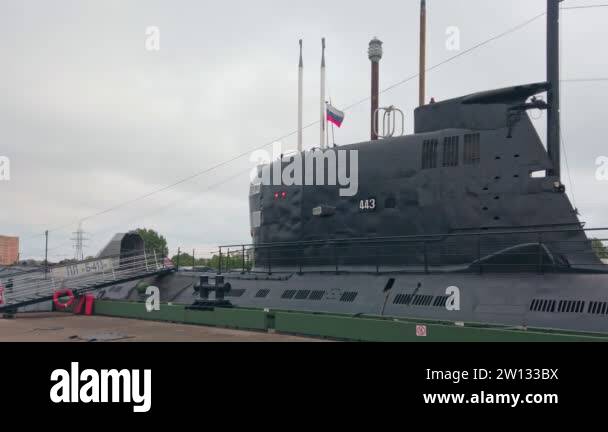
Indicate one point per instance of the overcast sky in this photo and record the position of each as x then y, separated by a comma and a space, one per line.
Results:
90, 119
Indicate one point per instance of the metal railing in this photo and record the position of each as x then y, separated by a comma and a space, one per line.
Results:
80, 277
483, 251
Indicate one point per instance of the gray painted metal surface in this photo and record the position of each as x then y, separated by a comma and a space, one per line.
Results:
577, 302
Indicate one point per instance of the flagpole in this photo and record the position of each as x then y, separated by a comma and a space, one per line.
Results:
300, 99
323, 117
326, 127
333, 136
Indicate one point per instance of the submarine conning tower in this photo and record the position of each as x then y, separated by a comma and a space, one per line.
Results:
473, 181
475, 167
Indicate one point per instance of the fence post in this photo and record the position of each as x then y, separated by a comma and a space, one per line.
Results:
146, 260
219, 270
243, 258
301, 265
178, 255
228, 261
156, 266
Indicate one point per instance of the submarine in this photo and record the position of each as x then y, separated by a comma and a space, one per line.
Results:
465, 220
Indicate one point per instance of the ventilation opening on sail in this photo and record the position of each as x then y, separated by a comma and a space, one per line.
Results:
538, 174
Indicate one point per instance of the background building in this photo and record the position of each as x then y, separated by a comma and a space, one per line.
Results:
9, 250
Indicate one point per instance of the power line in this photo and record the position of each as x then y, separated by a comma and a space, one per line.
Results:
172, 203
183, 180
158, 210
460, 54
585, 80
585, 7
576, 80
239, 156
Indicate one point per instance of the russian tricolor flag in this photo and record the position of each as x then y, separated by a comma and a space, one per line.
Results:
334, 115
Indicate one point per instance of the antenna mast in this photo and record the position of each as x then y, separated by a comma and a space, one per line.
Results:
300, 97
323, 107
553, 95
422, 73
374, 54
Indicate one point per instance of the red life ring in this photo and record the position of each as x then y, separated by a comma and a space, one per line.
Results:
63, 293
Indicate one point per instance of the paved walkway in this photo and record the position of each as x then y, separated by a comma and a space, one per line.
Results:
60, 327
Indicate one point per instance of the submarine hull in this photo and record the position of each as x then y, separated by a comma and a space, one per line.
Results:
573, 302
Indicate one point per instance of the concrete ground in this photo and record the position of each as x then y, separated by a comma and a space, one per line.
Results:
61, 327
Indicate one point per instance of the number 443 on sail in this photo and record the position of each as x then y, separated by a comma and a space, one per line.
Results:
367, 205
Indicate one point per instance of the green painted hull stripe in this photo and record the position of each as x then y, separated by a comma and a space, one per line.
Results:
341, 327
